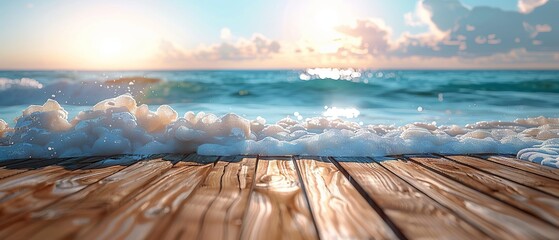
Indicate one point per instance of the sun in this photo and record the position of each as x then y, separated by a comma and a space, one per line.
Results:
326, 19
113, 40
109, 47
320, 23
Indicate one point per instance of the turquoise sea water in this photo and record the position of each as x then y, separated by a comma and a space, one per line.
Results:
368, 96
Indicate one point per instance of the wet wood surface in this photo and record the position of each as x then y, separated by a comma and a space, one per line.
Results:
188, 196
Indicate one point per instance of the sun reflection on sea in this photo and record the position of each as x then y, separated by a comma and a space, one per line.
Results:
348, 74
334, 112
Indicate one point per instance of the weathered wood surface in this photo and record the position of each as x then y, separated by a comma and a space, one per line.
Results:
215, 210
23, 165
524, 165
33, 190
525, 178
411, 210
67, 216
182, 196
528, 199
278, 207
335, 202
495, 218
160, 200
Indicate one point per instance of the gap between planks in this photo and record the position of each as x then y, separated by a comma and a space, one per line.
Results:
301, 167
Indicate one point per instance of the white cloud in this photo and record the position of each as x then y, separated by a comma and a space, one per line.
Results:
526, 6
373, 34
257, 47
169, 52
458, 31
413, 19
483, 31
444, 14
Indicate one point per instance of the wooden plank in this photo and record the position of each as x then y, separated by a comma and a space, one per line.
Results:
40, 175
18, 167
531, 201
417, 215
278, 208
544, 184
527, 166
338, 209
161, 198
7, 162
495, 218
37, 188
216, 208
65, 217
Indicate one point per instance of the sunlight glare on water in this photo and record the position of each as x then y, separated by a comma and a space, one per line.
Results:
334, 112
348, 74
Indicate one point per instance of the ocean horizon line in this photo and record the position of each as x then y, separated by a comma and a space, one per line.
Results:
273, 69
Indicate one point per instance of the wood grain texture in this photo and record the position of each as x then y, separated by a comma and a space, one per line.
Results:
278, 208
418, 216
27, 190
10, 167
161, 198
195, 197
35, 189
215, 209
544, 184
338, 209
65, 217
495, 218
532, 201
527, 166
19, 166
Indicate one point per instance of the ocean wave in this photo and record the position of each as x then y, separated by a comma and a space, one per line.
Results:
23, 83
308, 92
119, 126
132, 80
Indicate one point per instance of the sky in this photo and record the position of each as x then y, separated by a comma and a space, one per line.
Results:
279, 34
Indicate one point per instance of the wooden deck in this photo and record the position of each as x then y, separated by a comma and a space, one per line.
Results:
255, 197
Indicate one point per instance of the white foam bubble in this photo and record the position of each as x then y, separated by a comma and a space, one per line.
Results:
119, 126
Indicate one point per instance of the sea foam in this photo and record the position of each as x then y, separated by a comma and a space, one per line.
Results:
6, 83
119, 126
